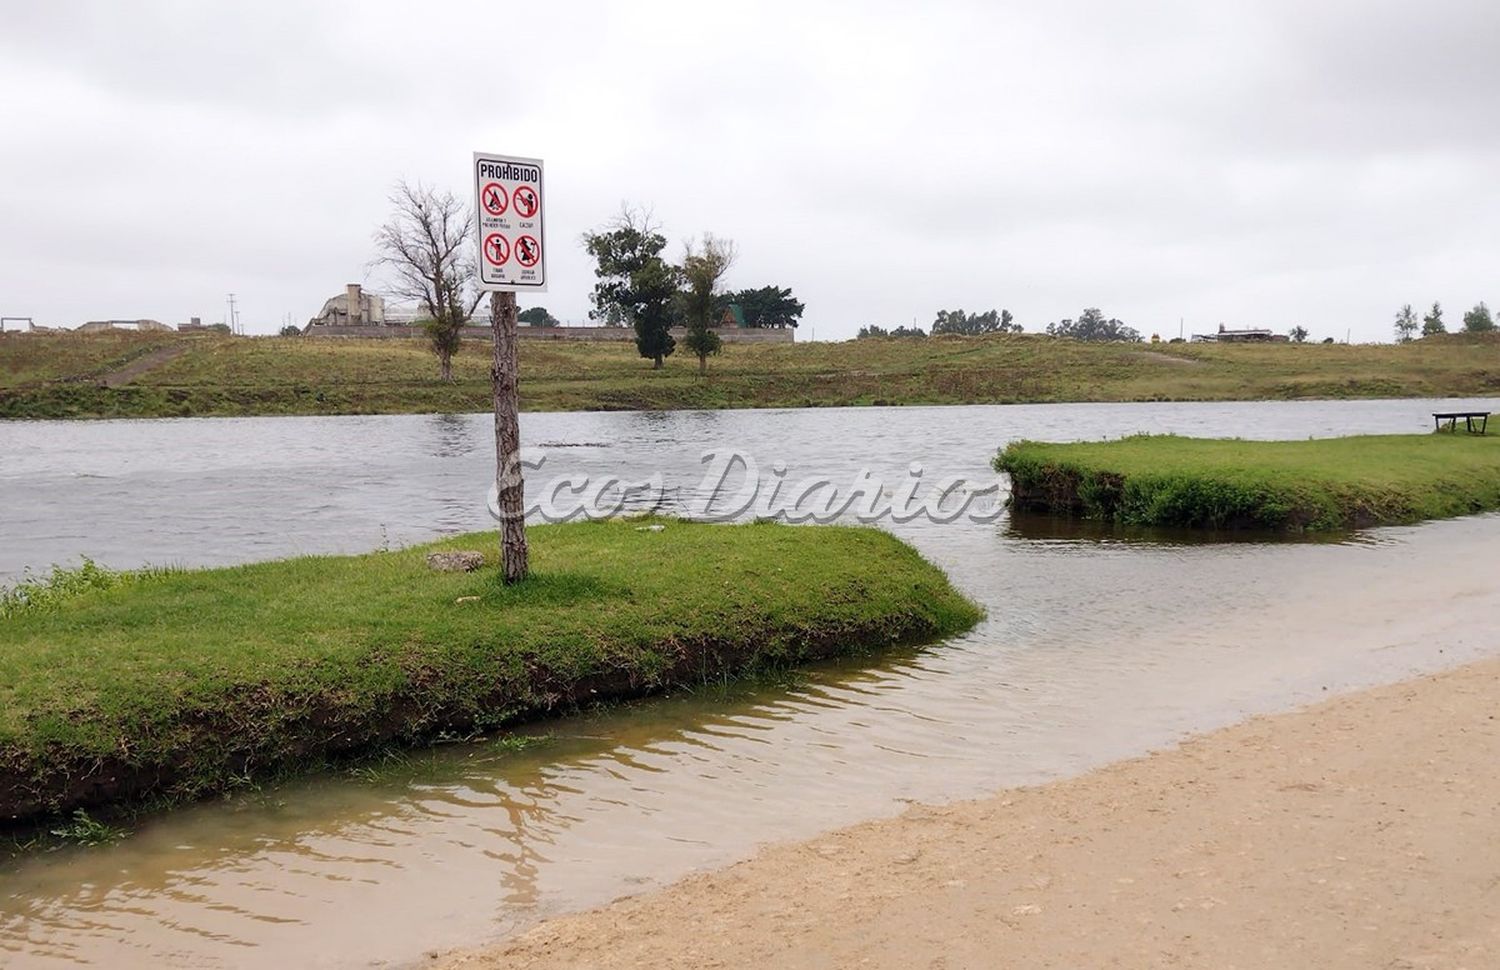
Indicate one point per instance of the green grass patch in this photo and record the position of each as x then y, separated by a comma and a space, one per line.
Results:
1316, 485
123, 689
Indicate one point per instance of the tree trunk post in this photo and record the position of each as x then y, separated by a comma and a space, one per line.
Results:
512, 500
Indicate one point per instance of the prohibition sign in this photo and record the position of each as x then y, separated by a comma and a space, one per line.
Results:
528, 250
496, 249
526, 201
492, 197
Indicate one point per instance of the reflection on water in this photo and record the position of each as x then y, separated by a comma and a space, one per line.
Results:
1098, 645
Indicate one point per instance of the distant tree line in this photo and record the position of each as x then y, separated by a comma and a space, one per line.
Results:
974, 324
637, 286
1090, 325
537, 316
1477, 320
875, 330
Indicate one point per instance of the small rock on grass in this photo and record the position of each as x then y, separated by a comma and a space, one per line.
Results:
459, 561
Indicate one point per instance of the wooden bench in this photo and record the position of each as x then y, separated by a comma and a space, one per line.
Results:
1469, 417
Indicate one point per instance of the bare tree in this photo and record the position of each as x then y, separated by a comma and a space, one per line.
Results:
427, 248
703, 267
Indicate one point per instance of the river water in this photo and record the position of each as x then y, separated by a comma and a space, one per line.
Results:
1098, 645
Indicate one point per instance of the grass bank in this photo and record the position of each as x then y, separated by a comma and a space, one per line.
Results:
116, 688
1316, 485
71, 375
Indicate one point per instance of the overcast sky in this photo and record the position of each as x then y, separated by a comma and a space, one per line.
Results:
1265, 162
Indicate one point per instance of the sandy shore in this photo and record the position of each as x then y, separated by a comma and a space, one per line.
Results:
1363, 832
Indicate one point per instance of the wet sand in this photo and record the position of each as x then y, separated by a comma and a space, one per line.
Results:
1362, 832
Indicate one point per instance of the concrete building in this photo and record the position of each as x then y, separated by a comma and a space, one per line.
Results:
352, 308
1247, 336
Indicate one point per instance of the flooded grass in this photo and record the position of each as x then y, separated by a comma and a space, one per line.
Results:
126, 688
1318, 485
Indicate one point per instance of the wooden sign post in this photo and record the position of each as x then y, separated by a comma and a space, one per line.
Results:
510, 224
512, 489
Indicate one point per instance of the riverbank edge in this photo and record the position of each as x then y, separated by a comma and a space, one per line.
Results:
1265, 485
1347, 833
69, 376
84, 402
873, 591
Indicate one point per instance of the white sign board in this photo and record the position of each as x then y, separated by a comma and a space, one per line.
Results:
510, 212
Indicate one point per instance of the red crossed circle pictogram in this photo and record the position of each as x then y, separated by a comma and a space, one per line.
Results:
528, 250
526, 201
496, 249
493, 198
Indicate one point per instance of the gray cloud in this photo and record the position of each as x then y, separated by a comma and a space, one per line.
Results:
1266, 162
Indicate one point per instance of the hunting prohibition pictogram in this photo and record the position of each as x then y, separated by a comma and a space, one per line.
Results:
525, 199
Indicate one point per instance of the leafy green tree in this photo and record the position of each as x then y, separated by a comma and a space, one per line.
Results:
1298, 334
537, 316
768, 306
1406, 324
1432, 323
1092, 326
1479, 319
291, 331
635, 285
653, 288
624, 245
703, 266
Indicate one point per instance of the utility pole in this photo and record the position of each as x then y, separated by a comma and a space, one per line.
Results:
234, 316
508, 481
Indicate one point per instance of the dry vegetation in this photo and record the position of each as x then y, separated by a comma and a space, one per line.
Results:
61, 375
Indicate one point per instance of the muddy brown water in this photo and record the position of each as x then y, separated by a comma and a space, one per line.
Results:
1098, 645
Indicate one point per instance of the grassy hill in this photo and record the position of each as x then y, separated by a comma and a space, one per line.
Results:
162, 375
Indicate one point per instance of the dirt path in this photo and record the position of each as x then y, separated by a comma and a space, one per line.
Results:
1361, 833
1162, 358
142, 365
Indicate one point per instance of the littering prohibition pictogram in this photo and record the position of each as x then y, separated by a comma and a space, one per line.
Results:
493, 198
496, 249
525, 200
528, 250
